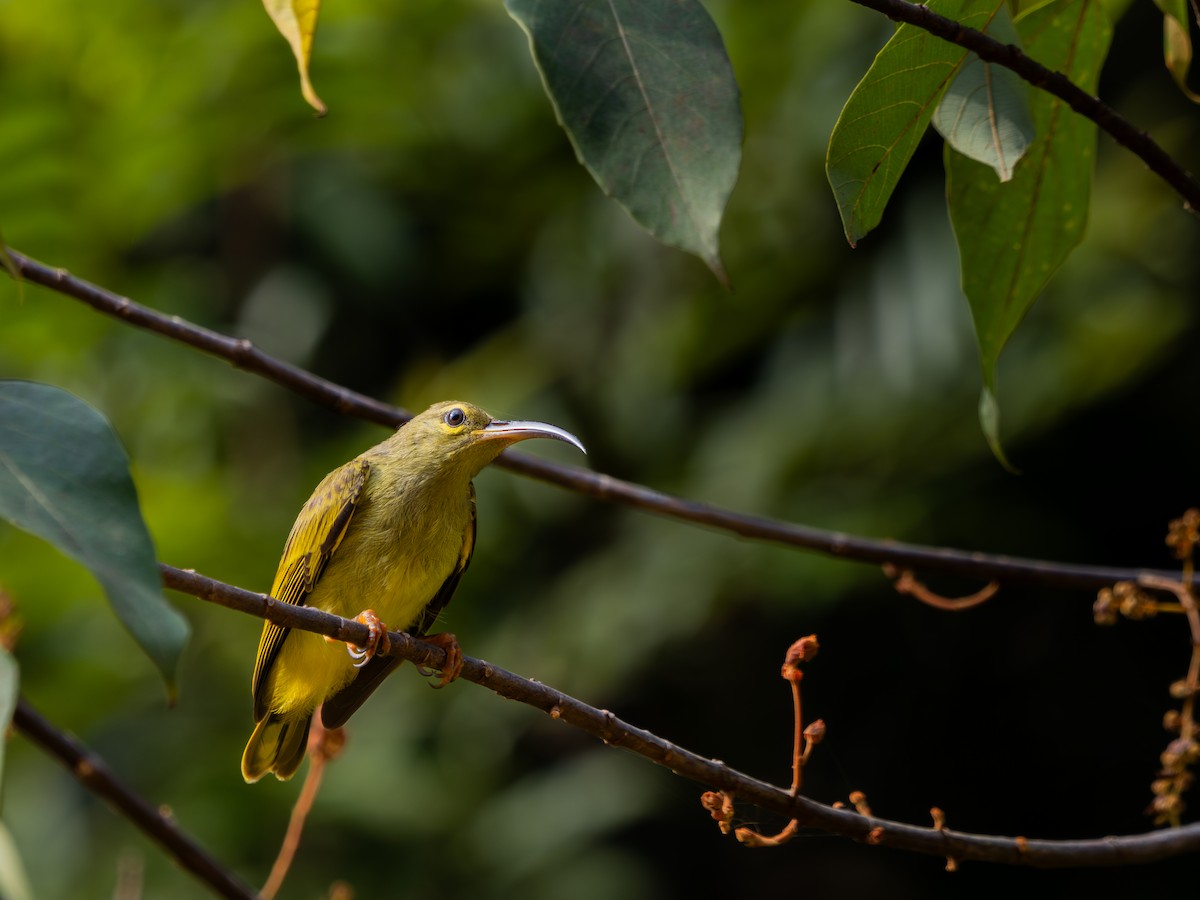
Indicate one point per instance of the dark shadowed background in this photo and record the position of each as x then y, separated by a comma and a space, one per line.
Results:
433, 237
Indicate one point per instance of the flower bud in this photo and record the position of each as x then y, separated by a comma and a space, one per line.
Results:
1180, 689
1104, 609
802, 651
815, 732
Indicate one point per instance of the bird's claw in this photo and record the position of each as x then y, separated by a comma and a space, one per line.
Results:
377, 639
454, 659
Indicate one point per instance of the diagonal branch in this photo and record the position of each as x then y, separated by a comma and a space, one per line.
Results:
241, 353
244, 355
600, 723
94, 774
1011, 57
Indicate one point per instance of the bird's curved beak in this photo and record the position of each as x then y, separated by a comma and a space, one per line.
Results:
516, 430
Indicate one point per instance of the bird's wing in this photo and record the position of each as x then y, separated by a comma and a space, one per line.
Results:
341, 706
315, 537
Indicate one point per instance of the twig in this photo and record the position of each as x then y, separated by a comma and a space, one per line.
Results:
1011, 57
94, 774
906, 583
803, 741
1107, 851
939, 824
1176, 777
323, 745
244, 355
1127, 599
803, 738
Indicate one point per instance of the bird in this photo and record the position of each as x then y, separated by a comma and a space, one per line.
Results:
395, 528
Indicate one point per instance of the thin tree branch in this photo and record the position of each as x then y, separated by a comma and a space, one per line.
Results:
244, 355
600, 723
94, 774
1011, 57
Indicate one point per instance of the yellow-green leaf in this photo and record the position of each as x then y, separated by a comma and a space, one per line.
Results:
297, 22
889, 111
1177, 44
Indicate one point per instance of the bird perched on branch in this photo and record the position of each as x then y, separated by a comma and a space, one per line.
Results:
393, 529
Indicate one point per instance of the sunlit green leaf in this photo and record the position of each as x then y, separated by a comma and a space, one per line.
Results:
646, 94
886, 116
1013, 236
985, 112
297, 22
65, 478
1025, 7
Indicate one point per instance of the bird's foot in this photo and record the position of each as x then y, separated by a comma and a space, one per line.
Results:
454, 661
377, 640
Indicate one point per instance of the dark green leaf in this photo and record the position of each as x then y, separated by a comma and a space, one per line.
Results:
886, 116
647, 96
985, 112
1013, 236
65, 478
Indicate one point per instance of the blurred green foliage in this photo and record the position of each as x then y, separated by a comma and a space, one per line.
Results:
433, 237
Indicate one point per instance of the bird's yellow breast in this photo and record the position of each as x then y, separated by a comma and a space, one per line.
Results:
393, 559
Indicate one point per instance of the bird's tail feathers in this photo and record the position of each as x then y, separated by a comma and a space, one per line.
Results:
277, 745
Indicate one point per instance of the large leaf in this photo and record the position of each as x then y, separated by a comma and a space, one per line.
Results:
1013, 236
297, 22
985, 112
886, 116
65, 478
646, 94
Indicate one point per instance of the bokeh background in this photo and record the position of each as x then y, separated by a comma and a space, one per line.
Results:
434, 237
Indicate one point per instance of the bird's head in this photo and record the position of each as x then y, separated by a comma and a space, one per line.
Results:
463, 436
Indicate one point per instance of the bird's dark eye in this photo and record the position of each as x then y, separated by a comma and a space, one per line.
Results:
455, 417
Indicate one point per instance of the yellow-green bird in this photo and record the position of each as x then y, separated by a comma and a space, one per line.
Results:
393, 529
